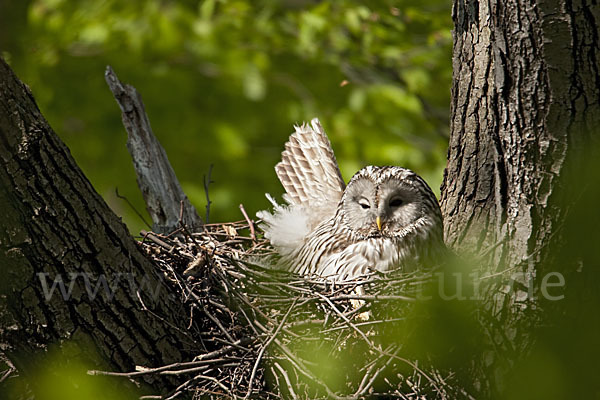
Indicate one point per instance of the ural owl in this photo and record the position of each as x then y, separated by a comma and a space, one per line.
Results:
386, 218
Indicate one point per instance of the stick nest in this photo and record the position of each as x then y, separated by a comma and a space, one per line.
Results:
267, 333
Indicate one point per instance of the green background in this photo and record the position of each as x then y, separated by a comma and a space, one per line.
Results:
225, 81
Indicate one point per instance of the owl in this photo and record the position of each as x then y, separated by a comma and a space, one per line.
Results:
385, 218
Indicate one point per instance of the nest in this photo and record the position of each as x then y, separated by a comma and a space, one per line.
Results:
267, 333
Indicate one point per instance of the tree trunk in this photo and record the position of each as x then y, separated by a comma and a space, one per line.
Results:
525, 95
525, 104
55, 226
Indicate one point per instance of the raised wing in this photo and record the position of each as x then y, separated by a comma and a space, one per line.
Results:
308, 169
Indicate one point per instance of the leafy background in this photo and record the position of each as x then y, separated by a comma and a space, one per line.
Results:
224, 82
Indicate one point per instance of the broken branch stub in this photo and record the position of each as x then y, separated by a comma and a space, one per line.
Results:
155, 176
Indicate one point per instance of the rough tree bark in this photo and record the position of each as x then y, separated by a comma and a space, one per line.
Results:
525, 104
525, 96
55, 225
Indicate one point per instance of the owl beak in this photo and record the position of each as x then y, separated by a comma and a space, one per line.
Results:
378, 222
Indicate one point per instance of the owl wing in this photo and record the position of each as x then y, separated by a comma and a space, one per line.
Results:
308, 169
314, 186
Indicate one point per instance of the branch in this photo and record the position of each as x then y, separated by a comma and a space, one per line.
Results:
155, 176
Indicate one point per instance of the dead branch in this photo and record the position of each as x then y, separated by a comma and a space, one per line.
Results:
155, 176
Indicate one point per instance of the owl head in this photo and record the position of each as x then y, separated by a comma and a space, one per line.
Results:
389, 202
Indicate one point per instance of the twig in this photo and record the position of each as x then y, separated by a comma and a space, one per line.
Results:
363, 390
299, 365
264, 347
207, 182
287, 380
381, 321
370, 343
166, 369
132, 207
219, 325
250, 222
209, 378
224, 350
375, 297
152, 236
183, 226
11, 368
155, 176
155, 239
341, 314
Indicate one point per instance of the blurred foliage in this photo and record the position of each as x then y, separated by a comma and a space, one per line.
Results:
224, 81
60, 373
563, 363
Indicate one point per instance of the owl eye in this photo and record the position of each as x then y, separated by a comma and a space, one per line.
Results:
396, 202
364, 204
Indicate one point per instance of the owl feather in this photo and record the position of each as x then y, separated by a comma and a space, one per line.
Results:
313, 183
386, 218
308, 169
